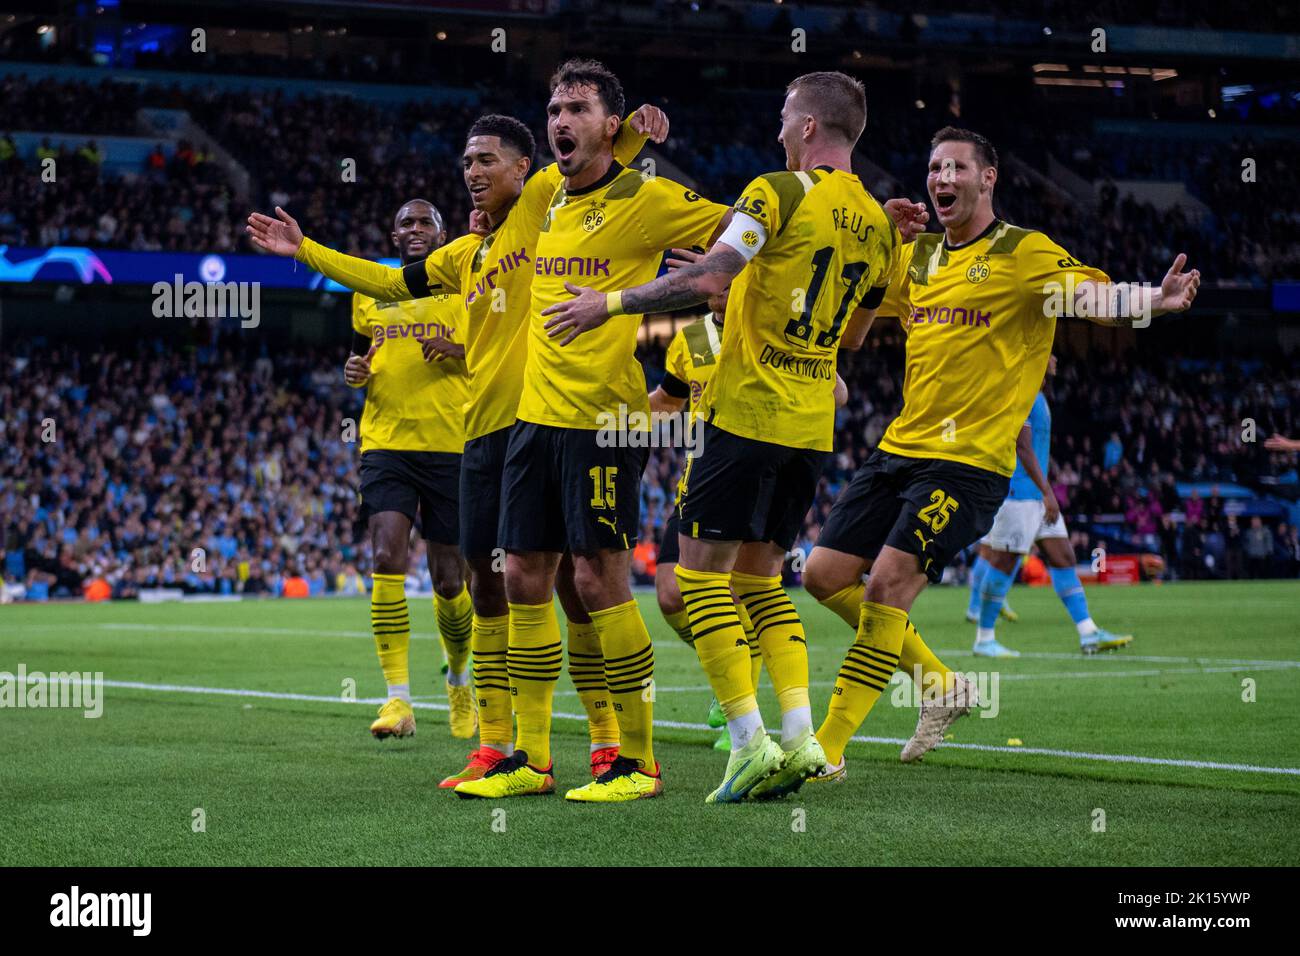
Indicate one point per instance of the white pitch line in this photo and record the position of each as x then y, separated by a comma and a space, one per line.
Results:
1100, 659
683, 725
1120, 656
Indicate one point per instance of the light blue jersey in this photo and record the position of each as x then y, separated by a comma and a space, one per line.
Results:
1040, 423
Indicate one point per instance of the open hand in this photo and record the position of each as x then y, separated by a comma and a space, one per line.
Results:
281, 236
1179, 288
584, 312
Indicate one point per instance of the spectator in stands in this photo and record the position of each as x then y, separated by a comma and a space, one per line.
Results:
91, 156
155, 163
1258, 548
1286, 551
1114, 452
1193, 551
1233, 544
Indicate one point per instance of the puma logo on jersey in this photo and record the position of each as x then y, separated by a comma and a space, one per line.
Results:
925, 542
609, 521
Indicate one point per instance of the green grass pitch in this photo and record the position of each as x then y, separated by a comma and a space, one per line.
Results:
298, 780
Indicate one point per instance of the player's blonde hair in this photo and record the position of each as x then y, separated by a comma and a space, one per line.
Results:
836, 100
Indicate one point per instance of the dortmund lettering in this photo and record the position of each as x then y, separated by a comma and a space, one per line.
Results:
818, 369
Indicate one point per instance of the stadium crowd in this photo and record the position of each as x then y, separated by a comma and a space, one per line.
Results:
92, 500
295, 148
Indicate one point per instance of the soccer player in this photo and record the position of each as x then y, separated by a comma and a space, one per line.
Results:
493, 273
810, 252
691, 359
574, 463
979, 304
978, 569
412, 437
1031, 515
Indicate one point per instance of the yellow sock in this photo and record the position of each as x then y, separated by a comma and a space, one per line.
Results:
782, 641
629, 675
680, 622
587, 669
391, 623
867, 668
454, 616
719, 638
533, 659
755, 652
491, 682
848, 605
916, 652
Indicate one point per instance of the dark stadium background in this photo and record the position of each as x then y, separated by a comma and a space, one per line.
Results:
173, 434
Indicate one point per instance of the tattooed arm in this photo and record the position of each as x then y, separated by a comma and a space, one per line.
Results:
676, 289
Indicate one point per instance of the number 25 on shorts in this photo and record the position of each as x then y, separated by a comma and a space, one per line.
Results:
603, 493
938, 511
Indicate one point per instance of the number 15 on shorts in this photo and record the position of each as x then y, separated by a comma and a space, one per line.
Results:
603, 487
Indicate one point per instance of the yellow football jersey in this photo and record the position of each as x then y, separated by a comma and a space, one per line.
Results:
693, 356
978, 341
608, 236
412, 405
828, 244
494, 276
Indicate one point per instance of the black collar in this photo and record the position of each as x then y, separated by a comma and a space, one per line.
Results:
991, 226
610, 175
825, 168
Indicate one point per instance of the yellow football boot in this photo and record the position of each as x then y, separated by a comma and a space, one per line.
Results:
511, 777
746, 767
463, 712
623, 781
396, 719
803, 759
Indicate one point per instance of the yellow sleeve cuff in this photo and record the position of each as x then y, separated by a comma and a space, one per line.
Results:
614, 303
628, 143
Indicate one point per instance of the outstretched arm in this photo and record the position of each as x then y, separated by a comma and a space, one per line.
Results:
283, 237
1117, 304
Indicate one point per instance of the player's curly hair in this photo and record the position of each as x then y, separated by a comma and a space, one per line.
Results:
579, 72
985, 154
506, 128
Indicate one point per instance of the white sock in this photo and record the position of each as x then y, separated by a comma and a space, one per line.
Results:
1087, 626
400, 690
984, 634
507, 749
794, 723
458, 680
595, 747
744, 729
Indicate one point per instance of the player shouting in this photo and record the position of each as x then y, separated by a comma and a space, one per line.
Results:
979, 304
819, 251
